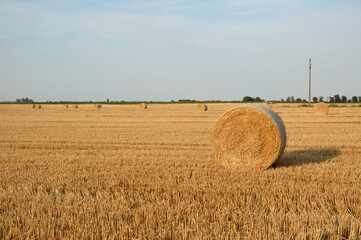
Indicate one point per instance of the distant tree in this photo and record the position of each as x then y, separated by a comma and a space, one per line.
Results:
332, 99
258, 99
292, 99
24, 100
298, 100
248, 99
349, 100
314, 99
354, 99
304, 100
282, 100
343, 99
337, 98
320, 99
288, 99
359, 99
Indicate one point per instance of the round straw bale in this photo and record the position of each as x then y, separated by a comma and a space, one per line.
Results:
143, 106
99, 106
249, 137
265, 104
321, 108
202, 107
39, 106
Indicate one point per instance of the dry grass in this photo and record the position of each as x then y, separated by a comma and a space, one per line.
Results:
124, 173
249, 137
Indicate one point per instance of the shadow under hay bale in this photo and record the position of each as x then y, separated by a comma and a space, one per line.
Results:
306, 156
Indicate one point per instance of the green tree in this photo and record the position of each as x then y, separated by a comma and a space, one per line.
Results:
248, 99
343, 99
337, 98
298, 100
354, 99
320, 99
314, 99
332, 99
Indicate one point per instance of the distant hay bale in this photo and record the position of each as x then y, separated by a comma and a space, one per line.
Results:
249, 137
266, 104
39, 106
202, 107
99, 106
143, 106
76, 106
321, 108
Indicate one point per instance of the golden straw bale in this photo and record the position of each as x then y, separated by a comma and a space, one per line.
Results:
143, 106
249, 137
321, 108
265, 104
202, 107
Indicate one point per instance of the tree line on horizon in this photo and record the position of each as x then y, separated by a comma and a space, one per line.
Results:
331, 99
290, 99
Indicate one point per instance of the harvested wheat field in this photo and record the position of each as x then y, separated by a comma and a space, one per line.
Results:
123, 173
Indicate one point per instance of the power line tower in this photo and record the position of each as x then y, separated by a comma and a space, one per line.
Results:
309, 85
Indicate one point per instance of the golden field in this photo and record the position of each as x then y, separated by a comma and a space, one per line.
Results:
121, 172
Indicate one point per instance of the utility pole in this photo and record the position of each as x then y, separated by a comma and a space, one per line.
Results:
309, 85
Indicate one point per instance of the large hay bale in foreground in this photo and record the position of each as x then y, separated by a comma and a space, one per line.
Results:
321, 108
202, 107
143, 106
249, 137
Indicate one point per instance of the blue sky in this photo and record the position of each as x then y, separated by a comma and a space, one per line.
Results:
164, 50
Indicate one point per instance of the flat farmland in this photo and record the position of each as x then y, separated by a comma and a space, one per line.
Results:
121, 172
